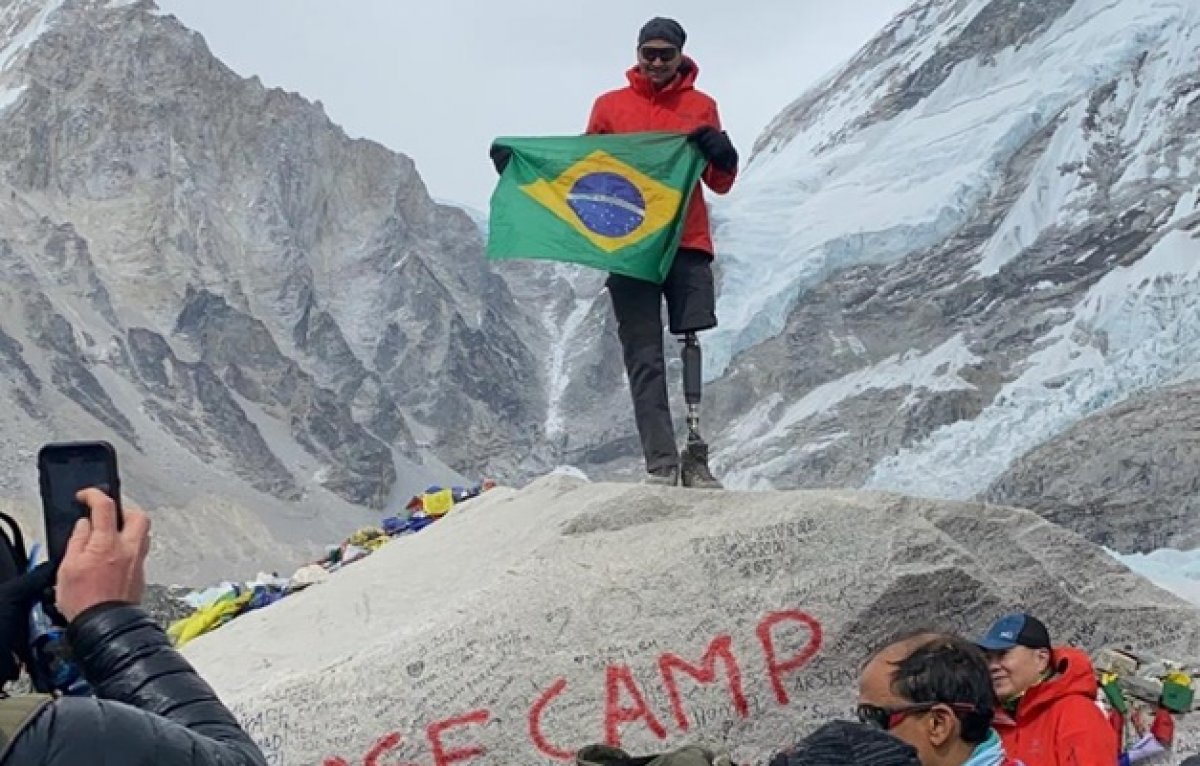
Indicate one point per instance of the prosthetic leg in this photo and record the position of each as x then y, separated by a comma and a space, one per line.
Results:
693, 465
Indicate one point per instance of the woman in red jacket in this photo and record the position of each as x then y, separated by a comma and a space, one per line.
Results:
1050, 694
661, 96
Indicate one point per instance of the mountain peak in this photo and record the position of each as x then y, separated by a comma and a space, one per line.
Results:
251, 305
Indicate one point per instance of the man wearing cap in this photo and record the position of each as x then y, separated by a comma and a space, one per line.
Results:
661, 96
1050, 694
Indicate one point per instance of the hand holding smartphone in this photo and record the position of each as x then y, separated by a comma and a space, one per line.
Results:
63, 470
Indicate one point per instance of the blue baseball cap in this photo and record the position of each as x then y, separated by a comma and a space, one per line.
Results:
1018, 629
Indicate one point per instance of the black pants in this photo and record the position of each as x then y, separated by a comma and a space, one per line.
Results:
637, 304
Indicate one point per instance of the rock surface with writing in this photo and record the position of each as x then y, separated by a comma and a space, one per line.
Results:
528, 624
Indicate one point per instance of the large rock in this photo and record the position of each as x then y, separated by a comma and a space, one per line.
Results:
530, 623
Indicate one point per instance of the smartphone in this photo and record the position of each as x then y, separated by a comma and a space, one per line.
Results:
63, 470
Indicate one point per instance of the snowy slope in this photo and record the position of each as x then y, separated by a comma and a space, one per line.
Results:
976, 233
837, 194
1149, 315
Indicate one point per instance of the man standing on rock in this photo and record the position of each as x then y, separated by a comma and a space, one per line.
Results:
1050, 692
661, 96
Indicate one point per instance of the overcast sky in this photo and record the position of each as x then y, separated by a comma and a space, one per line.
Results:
439, 80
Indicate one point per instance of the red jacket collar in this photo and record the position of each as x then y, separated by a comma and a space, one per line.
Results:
1074, 676
685, 80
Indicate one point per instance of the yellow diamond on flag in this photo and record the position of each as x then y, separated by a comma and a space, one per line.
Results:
611, 203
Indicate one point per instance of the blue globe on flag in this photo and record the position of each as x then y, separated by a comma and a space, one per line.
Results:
607, 204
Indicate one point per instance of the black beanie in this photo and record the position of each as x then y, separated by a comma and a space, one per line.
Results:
659, 28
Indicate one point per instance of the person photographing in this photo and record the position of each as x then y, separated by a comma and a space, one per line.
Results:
151, 707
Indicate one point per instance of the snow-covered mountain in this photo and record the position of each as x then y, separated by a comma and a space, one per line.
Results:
979, 233
274, 322
975, 234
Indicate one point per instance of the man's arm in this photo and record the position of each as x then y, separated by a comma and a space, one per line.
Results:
720, 180
1084, 737
152, 709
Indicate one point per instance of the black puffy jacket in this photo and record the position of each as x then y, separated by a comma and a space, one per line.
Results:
150, 709
845, 743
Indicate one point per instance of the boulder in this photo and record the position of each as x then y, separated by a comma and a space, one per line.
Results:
530, 623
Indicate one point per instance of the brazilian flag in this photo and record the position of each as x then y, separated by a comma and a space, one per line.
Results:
612, 202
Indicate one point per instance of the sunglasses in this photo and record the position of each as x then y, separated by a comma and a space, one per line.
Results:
651, 53
887, 718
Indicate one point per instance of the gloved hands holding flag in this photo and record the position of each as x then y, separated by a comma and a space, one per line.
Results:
500, 156
716, 147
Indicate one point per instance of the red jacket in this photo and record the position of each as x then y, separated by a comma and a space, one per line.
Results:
1057, 722
677, 107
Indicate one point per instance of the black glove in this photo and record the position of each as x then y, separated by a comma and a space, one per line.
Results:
17, 597
500, 156
716, 147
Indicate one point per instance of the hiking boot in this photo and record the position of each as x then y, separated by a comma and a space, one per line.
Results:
662, 477
693, 472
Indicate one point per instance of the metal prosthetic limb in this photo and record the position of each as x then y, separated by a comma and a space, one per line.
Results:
692, 376
693, 467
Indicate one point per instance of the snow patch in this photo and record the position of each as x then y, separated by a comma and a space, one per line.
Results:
936, 370
571, 471
559, 368
32, 31
1170, 569
1043, 199
8, 96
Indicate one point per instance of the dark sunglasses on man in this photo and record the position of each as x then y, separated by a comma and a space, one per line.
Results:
654, 52
887, 718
